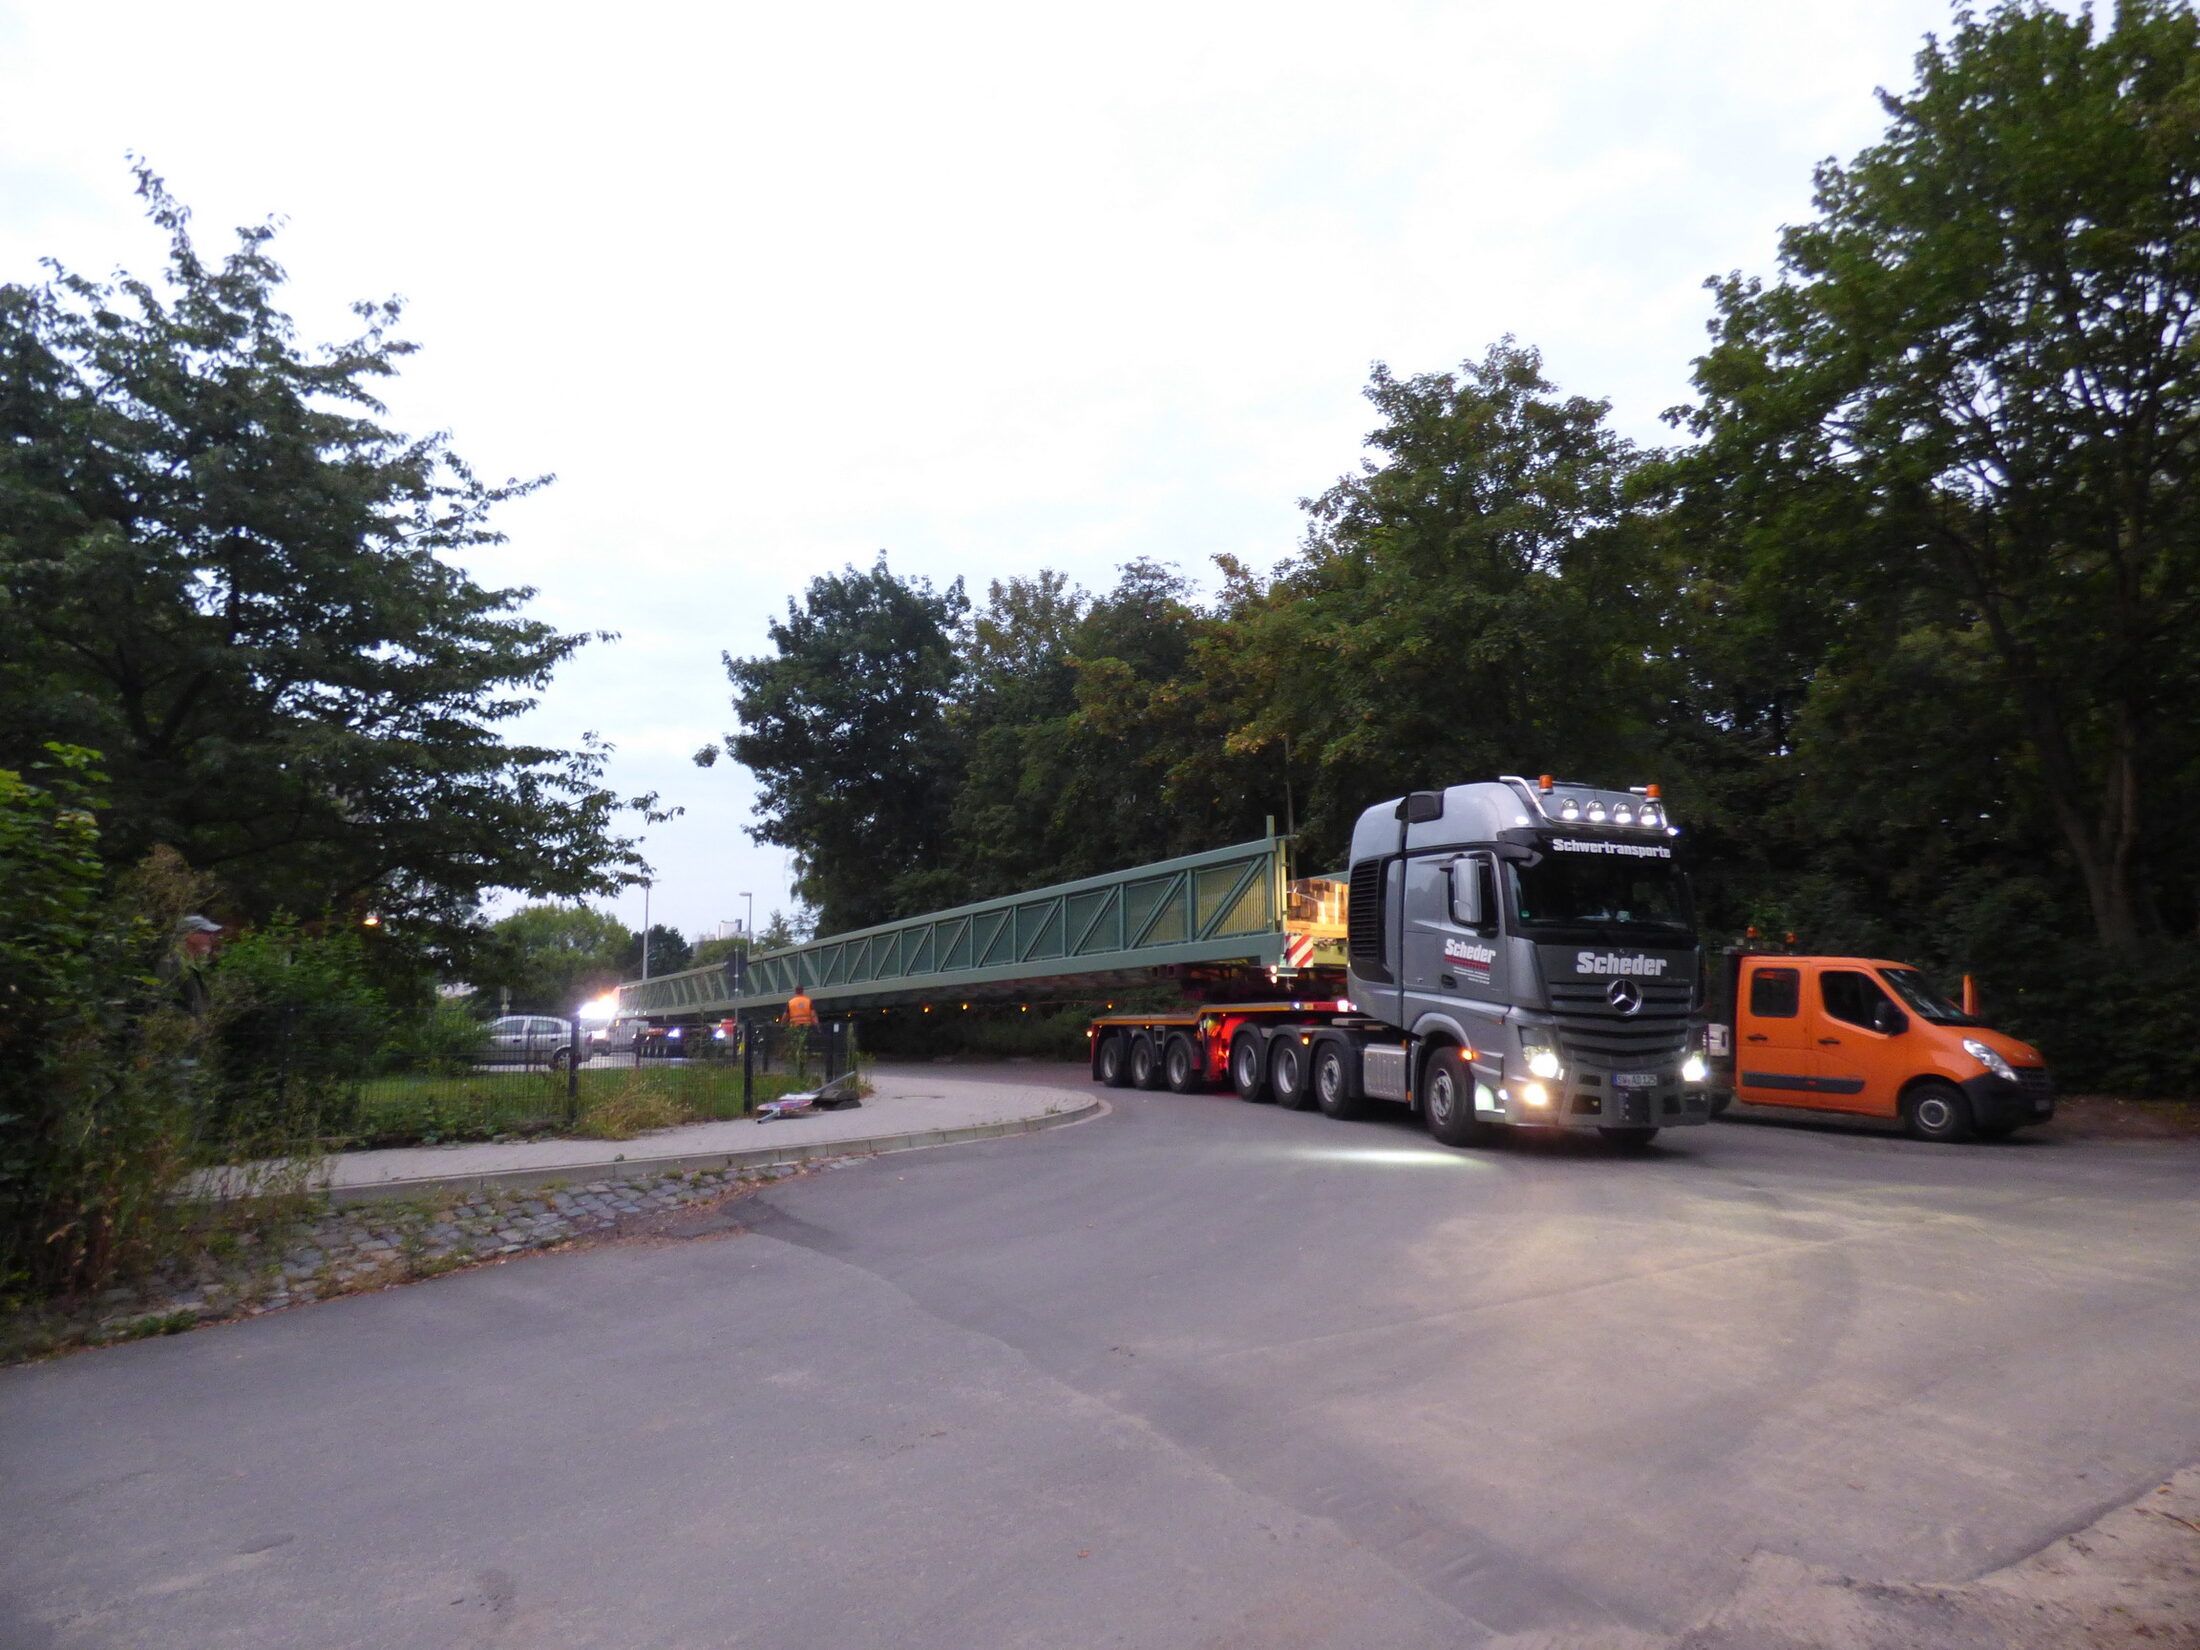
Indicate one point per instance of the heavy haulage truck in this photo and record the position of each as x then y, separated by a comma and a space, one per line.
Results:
1518, 952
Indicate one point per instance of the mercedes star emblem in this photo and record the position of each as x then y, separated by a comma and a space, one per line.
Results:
1624, 995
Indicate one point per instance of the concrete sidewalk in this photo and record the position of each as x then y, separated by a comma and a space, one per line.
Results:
911, 1106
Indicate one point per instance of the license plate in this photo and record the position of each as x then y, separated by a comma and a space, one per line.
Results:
1635, 1079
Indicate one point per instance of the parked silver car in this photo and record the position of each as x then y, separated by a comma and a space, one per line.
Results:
530, 1040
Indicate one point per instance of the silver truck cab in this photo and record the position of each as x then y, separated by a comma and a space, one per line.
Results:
1545, 927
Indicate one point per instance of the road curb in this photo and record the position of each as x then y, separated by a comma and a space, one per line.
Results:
626, 1168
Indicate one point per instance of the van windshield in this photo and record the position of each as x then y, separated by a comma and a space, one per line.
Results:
1637, 898
1923, 1000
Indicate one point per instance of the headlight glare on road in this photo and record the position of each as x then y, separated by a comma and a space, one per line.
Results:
1989, 1057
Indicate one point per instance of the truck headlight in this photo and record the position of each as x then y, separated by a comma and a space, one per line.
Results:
1540, 1050
1989, 1057
1695, 1069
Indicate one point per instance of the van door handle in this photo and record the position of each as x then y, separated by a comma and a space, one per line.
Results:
1757, 1037
1831, 1042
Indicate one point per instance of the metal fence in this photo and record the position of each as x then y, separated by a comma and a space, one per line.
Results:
293, 1073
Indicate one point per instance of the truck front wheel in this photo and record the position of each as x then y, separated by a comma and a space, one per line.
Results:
1287, 1073
1937, 1111
1249, 1067
1447, 1101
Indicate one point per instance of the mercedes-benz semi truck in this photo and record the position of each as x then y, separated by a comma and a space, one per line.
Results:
1519, 953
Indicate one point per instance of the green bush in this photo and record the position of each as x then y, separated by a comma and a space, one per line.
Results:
297, 1022
982, 1031
447, 1038
102, 1072
2108, 1024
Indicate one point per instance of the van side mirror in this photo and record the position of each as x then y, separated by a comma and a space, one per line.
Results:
1466, 893
1888, 1020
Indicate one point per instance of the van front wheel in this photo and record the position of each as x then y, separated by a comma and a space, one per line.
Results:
1937, 1111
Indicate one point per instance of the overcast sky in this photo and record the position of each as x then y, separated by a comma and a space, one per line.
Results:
772, 288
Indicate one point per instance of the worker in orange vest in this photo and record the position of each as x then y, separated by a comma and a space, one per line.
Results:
799, 1009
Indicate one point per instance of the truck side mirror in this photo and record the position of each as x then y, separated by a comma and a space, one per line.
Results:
1466, 893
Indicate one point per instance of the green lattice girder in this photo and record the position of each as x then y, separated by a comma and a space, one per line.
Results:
1225, 905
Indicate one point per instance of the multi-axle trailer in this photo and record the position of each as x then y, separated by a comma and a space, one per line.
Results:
1517, 953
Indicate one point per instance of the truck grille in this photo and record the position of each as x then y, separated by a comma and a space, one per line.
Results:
1592, 1032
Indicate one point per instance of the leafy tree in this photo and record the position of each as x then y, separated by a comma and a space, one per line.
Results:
1964, 422
1088, 732
781, 930
219, 569
552, 958
1473, 603
669, 952
846, 728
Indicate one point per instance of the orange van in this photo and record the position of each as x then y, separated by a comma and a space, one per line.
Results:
1872, 1038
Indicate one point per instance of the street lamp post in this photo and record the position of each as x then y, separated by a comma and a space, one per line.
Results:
646, 887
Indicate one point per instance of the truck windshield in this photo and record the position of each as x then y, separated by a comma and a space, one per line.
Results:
1923, 1000
1634, 897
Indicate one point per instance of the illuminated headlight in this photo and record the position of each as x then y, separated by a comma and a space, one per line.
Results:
1622, 815
1649, 814
1596, 813
674, 1034
1572, 810
1695, 1069
720, 1034
1535, 1094
1989, 1057
1539, 1051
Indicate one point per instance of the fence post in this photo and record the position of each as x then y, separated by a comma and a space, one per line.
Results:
748, 1067
573, 1072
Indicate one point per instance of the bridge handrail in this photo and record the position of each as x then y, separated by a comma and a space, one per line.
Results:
1219, 905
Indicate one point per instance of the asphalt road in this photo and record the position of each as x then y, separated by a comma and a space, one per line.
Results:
1194, 1374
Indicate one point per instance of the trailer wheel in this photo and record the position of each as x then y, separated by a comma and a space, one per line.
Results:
1180, 1067
1937, 1111
1333, 1084
1249, 1067
1628, 1140
1109, 1064
1145, 1063
1287, 1073
1447, 1101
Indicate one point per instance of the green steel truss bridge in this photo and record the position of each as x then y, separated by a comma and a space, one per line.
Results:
1226, 906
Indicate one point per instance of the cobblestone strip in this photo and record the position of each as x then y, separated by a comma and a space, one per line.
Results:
374, 1245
